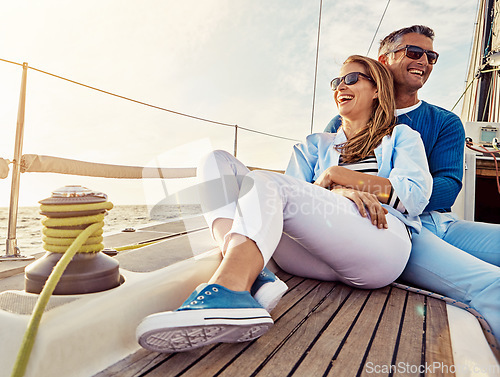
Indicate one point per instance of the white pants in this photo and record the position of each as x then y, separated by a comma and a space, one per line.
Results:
308, 230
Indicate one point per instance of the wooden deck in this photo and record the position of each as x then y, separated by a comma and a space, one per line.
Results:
322, 329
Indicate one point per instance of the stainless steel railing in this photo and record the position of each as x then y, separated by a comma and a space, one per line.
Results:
12, 251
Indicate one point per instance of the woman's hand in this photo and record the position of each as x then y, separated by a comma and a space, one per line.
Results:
327, 178
366, 201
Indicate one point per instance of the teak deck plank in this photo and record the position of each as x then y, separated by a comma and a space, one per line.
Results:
387, 333
320, 355
134, 365
177, 364
287, 340
321, 328
438, 343
301, 340
351, 353
410, 343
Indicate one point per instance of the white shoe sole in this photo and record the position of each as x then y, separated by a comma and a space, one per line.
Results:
189, 329
270, 294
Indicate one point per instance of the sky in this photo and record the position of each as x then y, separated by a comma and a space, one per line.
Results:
250, 63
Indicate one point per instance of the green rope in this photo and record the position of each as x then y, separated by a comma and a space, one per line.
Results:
136, 246
49, 287
75, 207
72, 221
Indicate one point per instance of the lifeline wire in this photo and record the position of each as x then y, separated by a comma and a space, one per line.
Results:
146, 104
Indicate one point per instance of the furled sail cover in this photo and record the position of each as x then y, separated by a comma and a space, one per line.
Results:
49, 164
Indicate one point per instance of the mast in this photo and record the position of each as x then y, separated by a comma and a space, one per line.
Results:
485, 83
481, 102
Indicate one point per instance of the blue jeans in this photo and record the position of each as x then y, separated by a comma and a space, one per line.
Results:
459, 259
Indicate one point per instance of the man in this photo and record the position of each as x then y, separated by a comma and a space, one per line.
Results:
456, 258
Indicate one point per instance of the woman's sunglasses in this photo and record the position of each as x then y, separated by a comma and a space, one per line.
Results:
415, 53
349, 79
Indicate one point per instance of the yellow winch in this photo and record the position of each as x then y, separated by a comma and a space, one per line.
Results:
70, 211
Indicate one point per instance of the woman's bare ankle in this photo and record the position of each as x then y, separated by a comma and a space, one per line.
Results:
240, 265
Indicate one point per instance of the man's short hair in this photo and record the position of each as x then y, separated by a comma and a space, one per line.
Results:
393, 40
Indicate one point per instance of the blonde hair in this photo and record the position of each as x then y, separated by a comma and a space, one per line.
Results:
382, 119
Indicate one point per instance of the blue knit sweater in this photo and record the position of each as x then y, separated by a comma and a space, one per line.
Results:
443, 135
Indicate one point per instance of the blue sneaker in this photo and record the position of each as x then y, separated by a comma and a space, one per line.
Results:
212, 314
268, 289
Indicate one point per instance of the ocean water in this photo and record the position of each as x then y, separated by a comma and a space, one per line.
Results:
29, 227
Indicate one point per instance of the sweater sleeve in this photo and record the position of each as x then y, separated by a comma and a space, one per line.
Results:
446, 164
334, 124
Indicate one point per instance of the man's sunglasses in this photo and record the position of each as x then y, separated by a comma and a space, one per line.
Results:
415, 53
349, 79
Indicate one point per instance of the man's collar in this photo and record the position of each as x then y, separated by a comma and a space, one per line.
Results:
407, 109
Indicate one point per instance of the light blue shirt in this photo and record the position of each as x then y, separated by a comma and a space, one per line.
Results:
400, 158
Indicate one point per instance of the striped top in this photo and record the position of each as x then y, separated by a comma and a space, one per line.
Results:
369, 165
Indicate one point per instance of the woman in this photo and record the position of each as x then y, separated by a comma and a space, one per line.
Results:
353, 224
